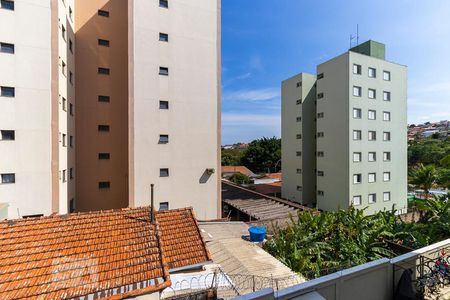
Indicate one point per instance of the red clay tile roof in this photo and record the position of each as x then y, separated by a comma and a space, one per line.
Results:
109, 253
237, 169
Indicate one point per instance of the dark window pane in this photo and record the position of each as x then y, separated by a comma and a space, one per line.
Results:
163, 104
163, 139
164, 206
163, 37
7, 135
103, 13
8, 91
104, 156
103, 98
104, 71
103, 128
7, 4
163, 71
164, 3
7, 48
163, 172
104, 185
8, 178
103, 42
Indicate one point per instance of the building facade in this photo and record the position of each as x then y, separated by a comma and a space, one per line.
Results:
142, 108
360, 136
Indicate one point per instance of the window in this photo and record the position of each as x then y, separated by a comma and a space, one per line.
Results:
357, 178
298, 153
357, 200
104, 128
372, 156
164, 172
320, 193
356, 135
71, 141
320, 115
299, 136
104, 156
357, 91
299, 101
320, 76
164, 206
320, 154
357, 69
372, 135
71, 109
63, 32
372, 177
103, 71
386, 156
7, 48
163, 37
372, 72
320, 173
386, 96
299, 84
103, 98
320, 134
319, 95
163, 138
7, 4
163, 71
71, 77
299, 119
72, 205
387, 176
63, 68
103, 13
299, 171
64, 104
71, 46
7, 91
8, 178
71, 173
372, 114
70, 12
104, 185
7, 135
372, 94
102, 42
356, 113
299, 188
372, 198
387, 196
387, 75
386, 136
64, 137
163, 104
386, 116
357, 156
164, 3
64, 175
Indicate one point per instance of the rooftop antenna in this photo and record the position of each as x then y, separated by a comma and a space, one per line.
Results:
152, 218
352, 37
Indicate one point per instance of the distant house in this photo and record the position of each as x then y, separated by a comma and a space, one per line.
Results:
228, 171
270, 184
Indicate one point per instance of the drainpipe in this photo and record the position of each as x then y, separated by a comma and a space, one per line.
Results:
152, 214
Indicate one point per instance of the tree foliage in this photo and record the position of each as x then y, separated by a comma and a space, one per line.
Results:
263, 155
424, 176
240, 178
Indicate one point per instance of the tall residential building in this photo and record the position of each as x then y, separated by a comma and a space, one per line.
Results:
36, 101
360, 133
147, 107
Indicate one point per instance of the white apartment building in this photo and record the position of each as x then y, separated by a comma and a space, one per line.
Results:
360, 130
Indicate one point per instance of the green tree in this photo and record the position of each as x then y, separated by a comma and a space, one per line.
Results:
240, 178
263, 155
424, 177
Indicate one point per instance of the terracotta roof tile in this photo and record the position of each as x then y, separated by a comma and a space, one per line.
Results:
116, 253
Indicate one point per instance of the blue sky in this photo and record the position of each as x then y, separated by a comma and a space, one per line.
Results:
267, 41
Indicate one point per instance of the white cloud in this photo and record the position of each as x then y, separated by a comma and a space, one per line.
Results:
252, 95
247, 127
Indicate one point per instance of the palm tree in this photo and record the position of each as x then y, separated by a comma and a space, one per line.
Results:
425, 177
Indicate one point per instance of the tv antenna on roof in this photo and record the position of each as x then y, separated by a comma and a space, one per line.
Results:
353, 37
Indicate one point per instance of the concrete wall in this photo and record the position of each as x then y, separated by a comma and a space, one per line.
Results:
192, 89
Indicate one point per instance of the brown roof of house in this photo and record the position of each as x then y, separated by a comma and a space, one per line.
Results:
116, 253
237, 169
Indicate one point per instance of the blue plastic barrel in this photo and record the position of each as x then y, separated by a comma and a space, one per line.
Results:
257, 234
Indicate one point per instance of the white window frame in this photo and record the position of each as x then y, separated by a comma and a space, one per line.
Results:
357, 202
386, 96
357, 113
372, 177
372, 135
372, 93
357, 178
386, 136
386, 176
357, 91
357, 156
371, 114
374, 199
386, 75
374, 72
357, 135
372, 156
386, 116
357, 69
386, 194
385, 155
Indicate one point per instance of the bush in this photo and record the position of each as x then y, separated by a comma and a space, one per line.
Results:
240, 178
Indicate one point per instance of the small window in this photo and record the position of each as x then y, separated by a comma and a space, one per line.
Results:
372, 156
320, 115
387, 176
7, 48
357, 178
104, 128
372, 94
357, 69
387, 196
164, 3
356, 135
298, 119
70, 12
299, 84
320, 154
372, 177
386, 96
387, 75
103, 98
357, 113
299, 101
372, 114
7, 4
72, 205
163, 37
104, 156
320, 193
64, 104
357, 200
386, 156
164, 172
102, 42
64, 138
163, 104
357, 91
7, 91
163, 71
71, 173
71, 109
71, 46
372, 198
104, 185
372, 72
319, 95
320, 134
163, 138
71, 77
63, 68
320, 76
299, 188
357, 156
386, 116
63, 32
386, 136
299, 171
103, 13
298, 153
64, 176
71, 141
103, 71
320, 173
164, 206
8, 178
299, 136
7, 135
372, 135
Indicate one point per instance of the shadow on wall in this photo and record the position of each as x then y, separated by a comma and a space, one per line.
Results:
206, 175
